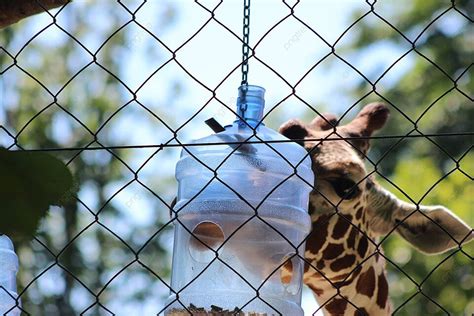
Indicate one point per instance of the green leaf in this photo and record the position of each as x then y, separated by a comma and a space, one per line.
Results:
30, 183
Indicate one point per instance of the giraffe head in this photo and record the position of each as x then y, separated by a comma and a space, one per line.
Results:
350, 211
338, 164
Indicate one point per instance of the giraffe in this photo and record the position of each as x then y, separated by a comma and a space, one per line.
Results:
350, 211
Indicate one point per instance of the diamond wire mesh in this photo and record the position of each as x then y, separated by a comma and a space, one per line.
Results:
95, 144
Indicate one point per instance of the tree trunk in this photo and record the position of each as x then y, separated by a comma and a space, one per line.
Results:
12, 11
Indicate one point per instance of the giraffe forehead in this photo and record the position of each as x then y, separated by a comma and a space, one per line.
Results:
334, 151
337, 149
339, 165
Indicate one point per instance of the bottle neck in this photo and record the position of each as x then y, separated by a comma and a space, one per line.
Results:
250, 105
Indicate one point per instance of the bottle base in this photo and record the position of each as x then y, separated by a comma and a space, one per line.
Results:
227, 304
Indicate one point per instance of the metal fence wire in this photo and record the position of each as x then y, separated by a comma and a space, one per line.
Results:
339, 301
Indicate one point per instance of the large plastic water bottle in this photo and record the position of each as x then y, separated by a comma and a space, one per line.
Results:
8, 270
241, 219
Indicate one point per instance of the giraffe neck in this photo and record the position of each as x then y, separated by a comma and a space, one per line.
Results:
342, 257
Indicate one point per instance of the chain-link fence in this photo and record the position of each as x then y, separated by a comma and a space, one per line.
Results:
106, 251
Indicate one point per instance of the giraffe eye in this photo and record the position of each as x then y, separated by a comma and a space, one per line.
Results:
345, 188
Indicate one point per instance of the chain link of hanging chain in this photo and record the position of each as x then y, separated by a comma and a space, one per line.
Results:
245, 44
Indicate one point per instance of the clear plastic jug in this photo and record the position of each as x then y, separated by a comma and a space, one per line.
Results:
8, 271
241, 219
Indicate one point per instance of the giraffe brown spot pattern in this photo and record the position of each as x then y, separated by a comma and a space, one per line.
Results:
337, 306
382, 294
316, 290
351, 276
362, 247
341, 226
306, 267
361, 312
333, 251
351, 239
317, 238
343, 263
366, 282
338, 285
320, 265
340, 277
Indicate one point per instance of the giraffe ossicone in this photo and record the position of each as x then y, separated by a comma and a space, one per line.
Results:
345, 266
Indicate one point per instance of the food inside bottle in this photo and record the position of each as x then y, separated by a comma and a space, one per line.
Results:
213, 311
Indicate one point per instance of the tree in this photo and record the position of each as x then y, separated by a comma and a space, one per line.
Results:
51, 100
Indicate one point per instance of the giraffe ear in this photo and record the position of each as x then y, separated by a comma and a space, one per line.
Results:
371, 118
430, 229
295, 130
324, 122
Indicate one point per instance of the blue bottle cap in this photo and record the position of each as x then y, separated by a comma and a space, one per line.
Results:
250, 104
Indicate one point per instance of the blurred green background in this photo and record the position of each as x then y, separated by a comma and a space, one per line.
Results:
53, 95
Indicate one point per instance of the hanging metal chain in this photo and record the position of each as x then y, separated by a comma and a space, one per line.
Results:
245, 44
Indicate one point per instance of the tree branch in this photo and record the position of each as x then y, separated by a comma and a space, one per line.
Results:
12, 11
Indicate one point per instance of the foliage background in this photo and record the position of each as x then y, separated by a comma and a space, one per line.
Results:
116, 217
